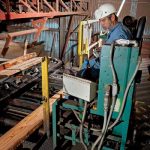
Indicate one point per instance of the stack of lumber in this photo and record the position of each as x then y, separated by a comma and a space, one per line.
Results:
14, 66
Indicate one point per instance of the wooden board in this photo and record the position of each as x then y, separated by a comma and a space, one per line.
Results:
17, 60
20, 67
16, 49
20, 33
15, 136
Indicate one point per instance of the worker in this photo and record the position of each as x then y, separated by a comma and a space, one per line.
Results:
106, 14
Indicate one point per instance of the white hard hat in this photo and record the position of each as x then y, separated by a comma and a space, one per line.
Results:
104, 11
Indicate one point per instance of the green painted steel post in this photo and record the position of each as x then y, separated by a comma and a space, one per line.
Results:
54, 124
73, 135
86, 136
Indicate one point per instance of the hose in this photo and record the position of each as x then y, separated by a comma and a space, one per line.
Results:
102, 140
92, 129
114, 93
111, 63
123, 103
106, 103
108, 121
81, 126
103, 129
125, 95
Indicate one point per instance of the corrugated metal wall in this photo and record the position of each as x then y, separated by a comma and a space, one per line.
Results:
46, 36
72, 45
136, 8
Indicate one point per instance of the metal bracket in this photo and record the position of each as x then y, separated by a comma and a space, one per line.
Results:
39, 25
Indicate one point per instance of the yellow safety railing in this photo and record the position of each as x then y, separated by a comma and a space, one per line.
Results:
80, 34
83, 48
45, 95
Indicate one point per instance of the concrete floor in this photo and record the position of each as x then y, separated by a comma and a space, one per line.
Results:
142, 105
48, 145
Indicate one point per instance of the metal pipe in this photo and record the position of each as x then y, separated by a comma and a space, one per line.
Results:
20, 116
33, 95
24, 104
8, 122
18, 112
30, 99
121, 6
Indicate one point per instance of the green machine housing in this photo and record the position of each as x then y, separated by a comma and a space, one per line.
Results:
65, 124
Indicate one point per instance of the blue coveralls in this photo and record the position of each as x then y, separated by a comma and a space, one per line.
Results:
119, 31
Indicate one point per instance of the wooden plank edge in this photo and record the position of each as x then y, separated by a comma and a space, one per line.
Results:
16, 135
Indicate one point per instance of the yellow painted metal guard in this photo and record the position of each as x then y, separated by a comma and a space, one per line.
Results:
80, 44
45, 95
82, 49
87, 48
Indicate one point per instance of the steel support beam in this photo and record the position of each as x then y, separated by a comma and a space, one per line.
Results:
61, 35
39, 25
67, 36
43, 8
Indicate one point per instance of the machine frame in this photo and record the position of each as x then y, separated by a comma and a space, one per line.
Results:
125, 60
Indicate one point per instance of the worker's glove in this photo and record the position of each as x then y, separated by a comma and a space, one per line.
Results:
96, 52
85, 64
82, 73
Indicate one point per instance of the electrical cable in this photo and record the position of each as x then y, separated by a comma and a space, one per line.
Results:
103, 129
114, 93
92, 129
108, 121
126, 93
106, 106
81, 126
123, 105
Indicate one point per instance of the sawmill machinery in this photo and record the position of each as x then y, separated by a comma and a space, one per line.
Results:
21, 92
97, 114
